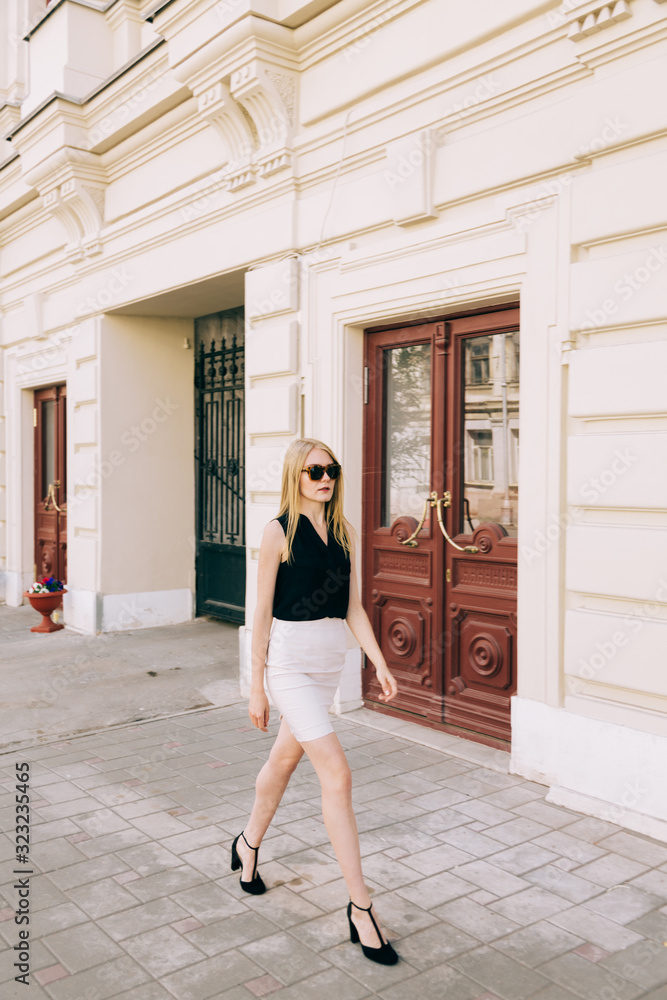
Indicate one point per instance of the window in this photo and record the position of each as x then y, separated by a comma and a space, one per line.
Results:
478, 355
407, 446
480, 457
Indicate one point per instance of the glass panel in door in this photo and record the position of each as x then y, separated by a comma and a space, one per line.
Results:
48, 444
403, 584
407, 437
490, 421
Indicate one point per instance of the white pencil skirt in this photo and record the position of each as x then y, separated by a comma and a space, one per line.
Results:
303, 667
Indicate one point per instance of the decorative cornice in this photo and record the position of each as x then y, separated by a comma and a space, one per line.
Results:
217, 106
268, 95
81, 207
72, 186
595, 46
597, 17
254, 110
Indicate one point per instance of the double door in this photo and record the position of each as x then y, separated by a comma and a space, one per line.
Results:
50, 476
441, 451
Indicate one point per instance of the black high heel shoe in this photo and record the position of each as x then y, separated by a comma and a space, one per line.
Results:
256, 885
385, 955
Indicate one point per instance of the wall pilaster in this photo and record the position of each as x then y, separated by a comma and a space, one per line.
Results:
84, 480
273, 408
3, 482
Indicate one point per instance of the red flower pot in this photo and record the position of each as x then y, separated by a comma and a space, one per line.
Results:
46, 604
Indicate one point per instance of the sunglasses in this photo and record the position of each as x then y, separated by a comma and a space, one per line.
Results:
315, 472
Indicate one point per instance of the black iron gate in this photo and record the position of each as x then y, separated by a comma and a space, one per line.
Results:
220, 464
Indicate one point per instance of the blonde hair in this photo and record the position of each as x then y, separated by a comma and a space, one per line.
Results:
290, 495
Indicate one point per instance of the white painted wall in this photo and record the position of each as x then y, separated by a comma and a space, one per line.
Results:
147, 471
3, 482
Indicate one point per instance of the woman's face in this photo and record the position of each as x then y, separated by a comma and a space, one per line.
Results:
321, 490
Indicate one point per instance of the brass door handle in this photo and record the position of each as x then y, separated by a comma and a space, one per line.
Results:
428, 502
51, 498
446, 501
432, 500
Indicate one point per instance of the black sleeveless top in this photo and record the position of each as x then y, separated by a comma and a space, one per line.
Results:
316, 584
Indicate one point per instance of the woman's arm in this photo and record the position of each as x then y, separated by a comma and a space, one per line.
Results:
362, 631
273, 543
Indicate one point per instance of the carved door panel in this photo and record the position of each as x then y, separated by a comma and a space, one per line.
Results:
441, 440
50, 474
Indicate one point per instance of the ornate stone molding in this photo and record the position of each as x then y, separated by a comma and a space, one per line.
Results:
236, 128
254, 111
269, 97
600, 16
80, 208
72, 186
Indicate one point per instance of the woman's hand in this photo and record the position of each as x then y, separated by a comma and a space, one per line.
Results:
387, 682
258, 710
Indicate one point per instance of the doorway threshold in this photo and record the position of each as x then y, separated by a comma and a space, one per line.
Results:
493, 758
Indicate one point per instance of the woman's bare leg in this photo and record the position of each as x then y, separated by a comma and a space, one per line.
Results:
328, 758
270, 787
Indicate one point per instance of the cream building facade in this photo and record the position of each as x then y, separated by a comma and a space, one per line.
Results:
335, 168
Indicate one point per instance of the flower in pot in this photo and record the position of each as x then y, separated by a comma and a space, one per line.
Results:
45, 596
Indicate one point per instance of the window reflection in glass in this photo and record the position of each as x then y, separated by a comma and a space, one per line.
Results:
479, 360
48, 443
482, 456
490, 401
407, 443
63, 464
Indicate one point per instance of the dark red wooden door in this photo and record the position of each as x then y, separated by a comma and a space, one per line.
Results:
404, 439
50, 483
441, 440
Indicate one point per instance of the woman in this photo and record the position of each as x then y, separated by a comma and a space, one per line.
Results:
306, 590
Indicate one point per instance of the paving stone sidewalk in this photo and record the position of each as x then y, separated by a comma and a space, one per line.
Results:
488, 892
67, 682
